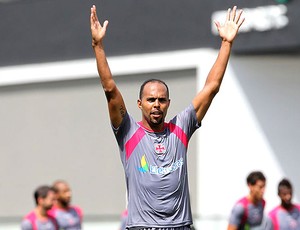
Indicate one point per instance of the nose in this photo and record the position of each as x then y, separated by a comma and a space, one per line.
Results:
69, 194
156, 103
288, 197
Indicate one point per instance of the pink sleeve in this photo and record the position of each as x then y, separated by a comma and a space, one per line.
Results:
79, 211
51, 212
273, 217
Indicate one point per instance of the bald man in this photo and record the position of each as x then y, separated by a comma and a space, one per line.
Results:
68, 217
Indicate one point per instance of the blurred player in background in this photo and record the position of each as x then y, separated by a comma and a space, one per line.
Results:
38, 219
286, 216
68, 217
248, 212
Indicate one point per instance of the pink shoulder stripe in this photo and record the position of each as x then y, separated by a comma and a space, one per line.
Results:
245, 202
179, 133
133, 141
273, 216
32, 218
78, 211
52, 211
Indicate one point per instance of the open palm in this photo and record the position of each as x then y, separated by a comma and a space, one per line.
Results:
229, 30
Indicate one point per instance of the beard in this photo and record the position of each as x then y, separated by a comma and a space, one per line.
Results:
48, 207
156, 122
65, 202
287, 204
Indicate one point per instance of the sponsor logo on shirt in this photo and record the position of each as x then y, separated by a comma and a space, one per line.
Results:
144, 165
154, 169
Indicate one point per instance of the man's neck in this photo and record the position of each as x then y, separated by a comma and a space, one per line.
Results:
154, 128
41, 213
253, 200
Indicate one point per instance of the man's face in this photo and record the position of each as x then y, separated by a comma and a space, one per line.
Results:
48, 201
154, 105
257, 190
64, 194
285, 195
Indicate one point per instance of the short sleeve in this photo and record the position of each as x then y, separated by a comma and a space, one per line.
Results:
268, 225
26, 225
237, 214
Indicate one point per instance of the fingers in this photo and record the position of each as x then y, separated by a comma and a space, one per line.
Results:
228, 14
94, 13
233, 15
218, 25
94, 19
240, 22
105, 24
93, 10
238, 17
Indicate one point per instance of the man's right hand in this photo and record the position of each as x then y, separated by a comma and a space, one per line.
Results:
97, 31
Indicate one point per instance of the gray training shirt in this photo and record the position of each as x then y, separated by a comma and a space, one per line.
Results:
31, 222
282, 219
155, 165
246, 215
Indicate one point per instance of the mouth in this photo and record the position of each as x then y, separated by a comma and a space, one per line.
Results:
156, 114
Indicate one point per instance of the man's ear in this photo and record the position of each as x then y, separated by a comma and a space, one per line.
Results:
139, 103
39, 200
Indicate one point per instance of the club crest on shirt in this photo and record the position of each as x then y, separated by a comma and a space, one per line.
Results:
159, 148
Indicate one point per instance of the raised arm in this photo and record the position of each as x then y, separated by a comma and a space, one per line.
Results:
116, 105
227, 32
